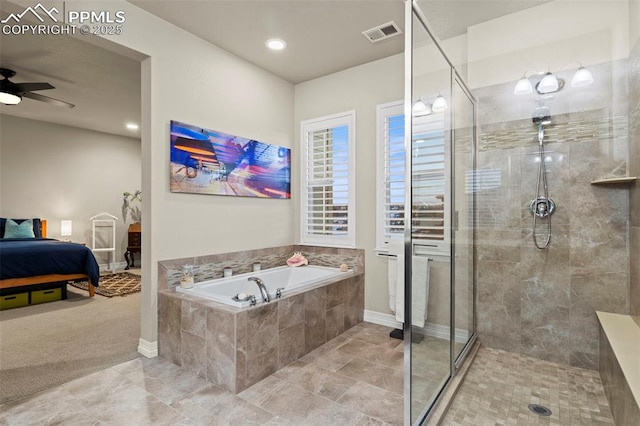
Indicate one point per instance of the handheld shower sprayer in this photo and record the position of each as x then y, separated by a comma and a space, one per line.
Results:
542, 206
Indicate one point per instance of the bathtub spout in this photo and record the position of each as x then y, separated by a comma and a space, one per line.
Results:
262, 287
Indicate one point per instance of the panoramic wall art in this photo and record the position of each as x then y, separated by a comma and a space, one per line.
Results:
211, 162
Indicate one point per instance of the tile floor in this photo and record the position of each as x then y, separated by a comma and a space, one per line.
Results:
500, 385
355, 379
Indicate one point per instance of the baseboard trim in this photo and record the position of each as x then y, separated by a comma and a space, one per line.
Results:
147, 348
387, 320
430, 329
117, 266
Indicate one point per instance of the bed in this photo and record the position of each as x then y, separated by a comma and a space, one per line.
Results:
31, 262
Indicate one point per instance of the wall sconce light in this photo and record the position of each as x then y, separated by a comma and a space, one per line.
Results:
550, 83
523, 86
66, 228
582, 77
420, 108
440, 104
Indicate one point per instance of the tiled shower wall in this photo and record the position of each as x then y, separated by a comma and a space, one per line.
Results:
634, 170
542, 303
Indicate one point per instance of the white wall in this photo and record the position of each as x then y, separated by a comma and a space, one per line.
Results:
634, 22
188, 79
58, 172
361, 89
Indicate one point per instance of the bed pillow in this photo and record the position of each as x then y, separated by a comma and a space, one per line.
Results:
24, 229
36, 226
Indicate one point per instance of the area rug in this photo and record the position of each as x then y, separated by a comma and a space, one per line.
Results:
111, 285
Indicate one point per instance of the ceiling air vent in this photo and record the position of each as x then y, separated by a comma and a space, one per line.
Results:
382, 32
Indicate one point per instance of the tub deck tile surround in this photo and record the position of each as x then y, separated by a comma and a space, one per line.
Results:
210, 267
235, 348
620, 366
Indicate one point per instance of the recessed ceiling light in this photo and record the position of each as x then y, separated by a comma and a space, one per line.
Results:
276, 44
132, 126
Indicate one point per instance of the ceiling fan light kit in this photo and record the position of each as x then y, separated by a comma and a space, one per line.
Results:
12, 93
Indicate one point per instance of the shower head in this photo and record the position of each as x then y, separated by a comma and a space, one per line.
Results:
541, 116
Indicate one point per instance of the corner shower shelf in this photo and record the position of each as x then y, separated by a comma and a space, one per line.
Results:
614, 180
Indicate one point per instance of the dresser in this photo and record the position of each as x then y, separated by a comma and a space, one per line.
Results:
134, 244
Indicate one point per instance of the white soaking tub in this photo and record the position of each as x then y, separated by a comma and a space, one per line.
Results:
288, 279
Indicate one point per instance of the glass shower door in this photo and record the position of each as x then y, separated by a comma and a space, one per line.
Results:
463, 208
440, 237
430, 227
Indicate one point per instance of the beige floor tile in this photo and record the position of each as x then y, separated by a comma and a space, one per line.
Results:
374, 374
317, 380
302, 407
214, 405
375, 402
355, 379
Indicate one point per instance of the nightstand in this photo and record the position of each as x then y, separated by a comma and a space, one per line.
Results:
134, 244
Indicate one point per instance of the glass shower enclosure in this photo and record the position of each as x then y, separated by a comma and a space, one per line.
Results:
439, 243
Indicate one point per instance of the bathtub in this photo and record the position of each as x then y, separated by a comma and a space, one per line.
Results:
289, 280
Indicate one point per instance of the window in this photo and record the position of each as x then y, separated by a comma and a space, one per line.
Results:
328, 168
430, 209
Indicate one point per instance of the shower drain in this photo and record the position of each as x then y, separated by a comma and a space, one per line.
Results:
539, 410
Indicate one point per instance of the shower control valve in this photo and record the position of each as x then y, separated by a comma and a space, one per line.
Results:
542, 207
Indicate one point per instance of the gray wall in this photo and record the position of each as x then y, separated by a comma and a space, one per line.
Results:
58, 172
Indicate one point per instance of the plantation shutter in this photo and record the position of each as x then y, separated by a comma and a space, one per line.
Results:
328, 208
394, 170
328, 186
428, 175
428, 213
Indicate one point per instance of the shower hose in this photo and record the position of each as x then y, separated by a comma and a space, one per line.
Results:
542, 205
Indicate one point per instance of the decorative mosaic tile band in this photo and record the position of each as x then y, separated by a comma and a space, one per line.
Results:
211, 267
573, 127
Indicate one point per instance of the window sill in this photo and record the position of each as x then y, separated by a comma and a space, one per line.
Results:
329, 245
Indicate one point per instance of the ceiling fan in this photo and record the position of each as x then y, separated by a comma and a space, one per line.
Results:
12, 93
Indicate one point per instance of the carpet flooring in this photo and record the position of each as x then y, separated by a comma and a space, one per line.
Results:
45, 345
119, 284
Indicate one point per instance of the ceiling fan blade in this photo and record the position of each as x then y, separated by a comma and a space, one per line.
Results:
47, 99
30, 87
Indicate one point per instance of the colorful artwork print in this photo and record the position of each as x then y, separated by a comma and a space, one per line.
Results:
210, 162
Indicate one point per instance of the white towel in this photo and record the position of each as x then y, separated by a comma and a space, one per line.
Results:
399, 308
395, 271
392, 280
419, 290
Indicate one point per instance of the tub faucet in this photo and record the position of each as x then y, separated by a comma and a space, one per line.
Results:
262, 287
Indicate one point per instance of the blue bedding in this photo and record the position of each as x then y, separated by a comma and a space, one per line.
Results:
28, 257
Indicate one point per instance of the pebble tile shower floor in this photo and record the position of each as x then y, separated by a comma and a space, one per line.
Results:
500, 385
